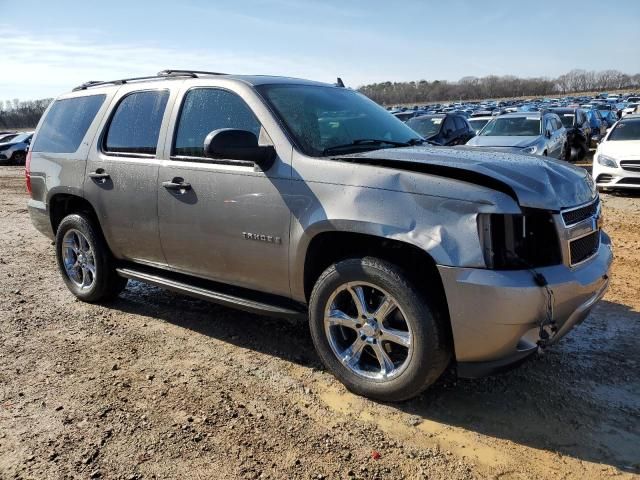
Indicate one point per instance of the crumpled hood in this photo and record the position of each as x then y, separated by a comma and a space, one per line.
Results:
507, 141
537, 182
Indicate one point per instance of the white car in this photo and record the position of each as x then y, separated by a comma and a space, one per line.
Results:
478, 123
630, 108
616, 163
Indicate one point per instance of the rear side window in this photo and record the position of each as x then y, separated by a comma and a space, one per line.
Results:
460, 123
208, 109
66, 124
135, 125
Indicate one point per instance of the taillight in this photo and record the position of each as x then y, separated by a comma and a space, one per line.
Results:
27, 171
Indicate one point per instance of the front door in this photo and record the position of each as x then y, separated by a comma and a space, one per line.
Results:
122, 174
230, 220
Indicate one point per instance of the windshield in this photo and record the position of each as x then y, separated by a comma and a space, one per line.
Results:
478, 123
567, 119
512, 127
426, 126
626, 130
320, 118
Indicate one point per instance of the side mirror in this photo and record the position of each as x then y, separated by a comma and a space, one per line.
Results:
235, 144
547, 133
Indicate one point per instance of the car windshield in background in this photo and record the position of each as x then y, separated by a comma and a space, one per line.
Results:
626, 130
478, 123
567, 119
512, 127
426, 126
323, 119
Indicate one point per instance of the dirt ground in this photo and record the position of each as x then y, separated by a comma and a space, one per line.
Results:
157, 385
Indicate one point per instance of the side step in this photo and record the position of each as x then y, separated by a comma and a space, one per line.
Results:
213, 292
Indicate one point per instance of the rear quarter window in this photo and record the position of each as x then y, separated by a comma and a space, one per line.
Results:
67, 123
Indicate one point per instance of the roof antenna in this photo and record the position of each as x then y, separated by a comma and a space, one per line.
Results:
340, 83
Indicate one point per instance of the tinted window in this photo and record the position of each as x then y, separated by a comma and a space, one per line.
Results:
426, 126
460, 125
208, 109
66, 124
449, 126
567, 119
135, 126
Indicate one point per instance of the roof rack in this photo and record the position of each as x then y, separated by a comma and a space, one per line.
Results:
160, 75
193, 73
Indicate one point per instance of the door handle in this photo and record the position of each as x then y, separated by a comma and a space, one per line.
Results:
177, 184
99, 175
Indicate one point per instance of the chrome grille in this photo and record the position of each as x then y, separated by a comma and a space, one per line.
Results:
630, 165
579, 214
585, 247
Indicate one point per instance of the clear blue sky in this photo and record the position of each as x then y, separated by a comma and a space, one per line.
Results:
48, 47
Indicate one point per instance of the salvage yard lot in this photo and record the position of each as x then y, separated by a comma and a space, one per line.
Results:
157, 385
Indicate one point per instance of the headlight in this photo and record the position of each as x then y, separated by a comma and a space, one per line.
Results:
607, 161
531, 149
528, 240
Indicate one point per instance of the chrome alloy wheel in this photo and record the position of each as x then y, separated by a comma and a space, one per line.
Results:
368, 331
79, 260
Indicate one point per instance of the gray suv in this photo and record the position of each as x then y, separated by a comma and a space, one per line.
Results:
534, 133
302, 199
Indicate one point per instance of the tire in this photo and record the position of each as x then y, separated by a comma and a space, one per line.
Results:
82, 253
413, 368
18, 158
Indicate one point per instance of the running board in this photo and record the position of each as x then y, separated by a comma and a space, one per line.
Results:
212, 295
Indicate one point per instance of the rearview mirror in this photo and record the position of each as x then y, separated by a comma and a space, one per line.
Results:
235, 144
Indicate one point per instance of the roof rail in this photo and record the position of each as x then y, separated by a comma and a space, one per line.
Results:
160, 75
193, 73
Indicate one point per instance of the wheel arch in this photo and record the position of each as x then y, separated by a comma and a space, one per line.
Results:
63, 204
329, 247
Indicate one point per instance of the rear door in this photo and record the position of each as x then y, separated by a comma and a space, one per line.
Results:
231, 223
122, 174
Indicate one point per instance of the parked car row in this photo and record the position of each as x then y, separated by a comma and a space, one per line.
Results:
585, 118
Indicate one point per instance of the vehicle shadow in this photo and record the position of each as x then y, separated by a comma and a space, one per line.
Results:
578, 399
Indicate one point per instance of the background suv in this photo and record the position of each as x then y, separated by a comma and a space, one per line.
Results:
535, 133
301, 199
14, 149
576, 123
443, 129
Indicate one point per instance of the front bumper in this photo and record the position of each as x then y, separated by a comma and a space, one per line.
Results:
495, 315
609, 177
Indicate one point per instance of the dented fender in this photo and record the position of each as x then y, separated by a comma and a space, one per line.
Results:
433, 213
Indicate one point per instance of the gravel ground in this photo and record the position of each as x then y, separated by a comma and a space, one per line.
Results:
156, 385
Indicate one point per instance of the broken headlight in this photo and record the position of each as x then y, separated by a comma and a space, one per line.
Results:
527, 240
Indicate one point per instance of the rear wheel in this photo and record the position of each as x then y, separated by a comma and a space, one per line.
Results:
85, 261
375, 332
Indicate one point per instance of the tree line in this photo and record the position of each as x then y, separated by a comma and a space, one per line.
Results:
26, 114
22, 114
494, 86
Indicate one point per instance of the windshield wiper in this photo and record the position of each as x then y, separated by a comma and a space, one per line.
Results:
366, 142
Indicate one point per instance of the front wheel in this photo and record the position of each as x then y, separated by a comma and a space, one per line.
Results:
375, 332
85, 262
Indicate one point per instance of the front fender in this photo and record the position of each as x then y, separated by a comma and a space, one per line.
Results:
445, 228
